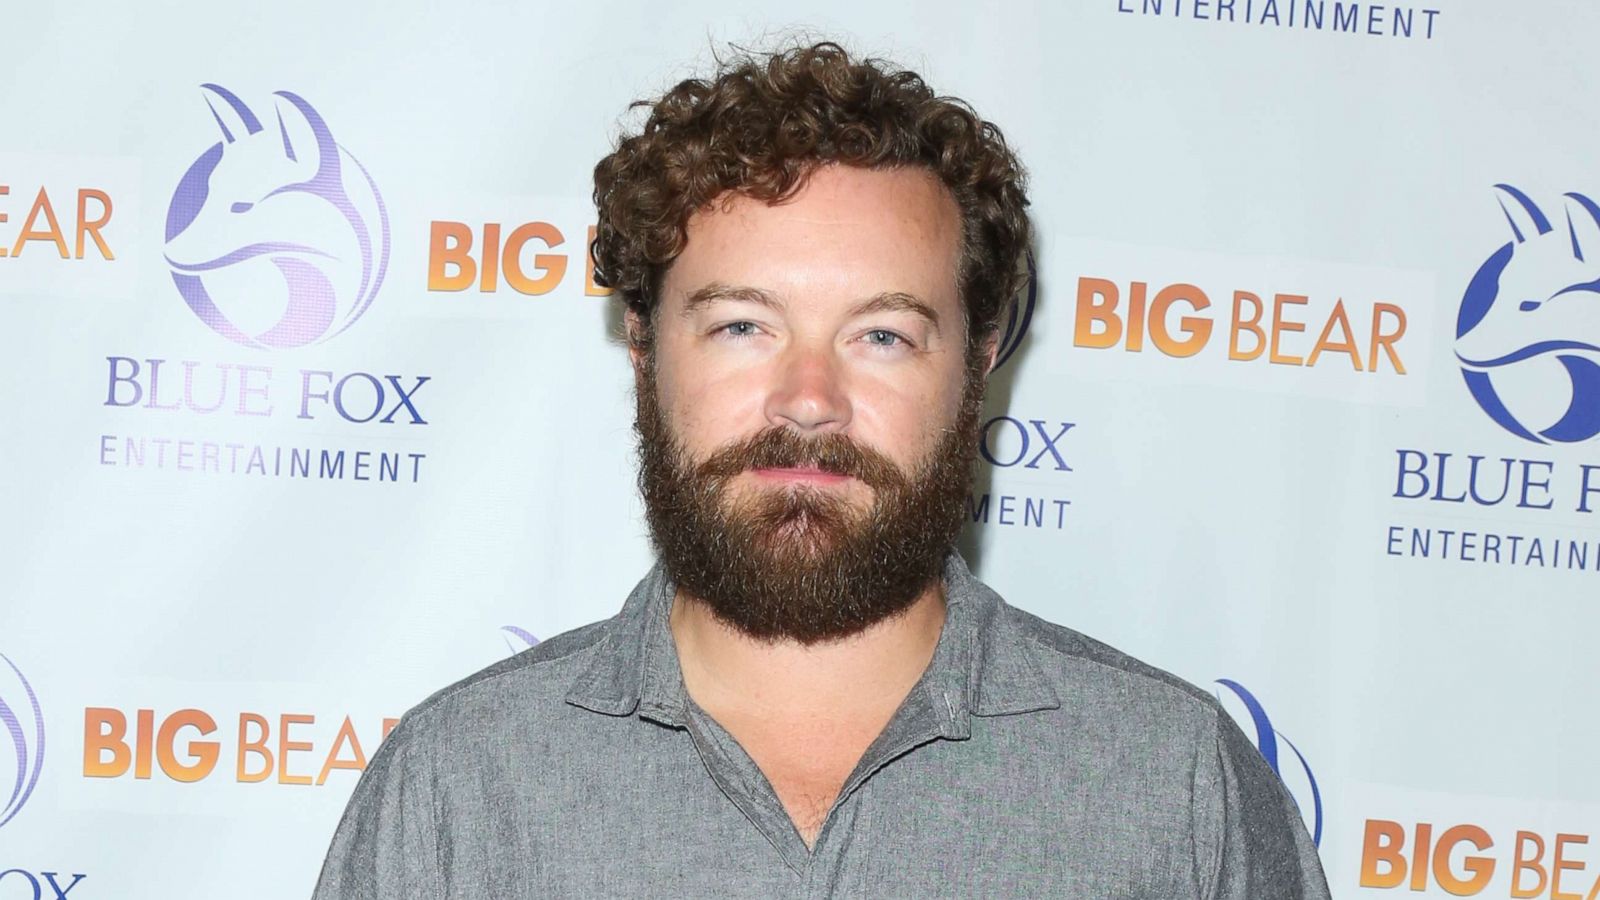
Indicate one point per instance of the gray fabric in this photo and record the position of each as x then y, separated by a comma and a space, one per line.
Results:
1029, 761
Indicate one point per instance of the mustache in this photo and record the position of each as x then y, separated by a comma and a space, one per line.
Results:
783, 448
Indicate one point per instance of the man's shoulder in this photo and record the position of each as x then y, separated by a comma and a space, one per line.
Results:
530, 684
1094, 677
1165, 755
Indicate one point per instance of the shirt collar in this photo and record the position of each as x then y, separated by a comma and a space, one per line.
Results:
982, 665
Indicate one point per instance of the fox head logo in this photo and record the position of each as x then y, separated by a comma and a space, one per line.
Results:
277, 237
1528, 333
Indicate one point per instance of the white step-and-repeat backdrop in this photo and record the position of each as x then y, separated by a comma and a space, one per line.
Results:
310, 406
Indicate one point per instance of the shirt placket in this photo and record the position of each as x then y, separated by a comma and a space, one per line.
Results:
919, 720
934, 708
743, 783
927, 714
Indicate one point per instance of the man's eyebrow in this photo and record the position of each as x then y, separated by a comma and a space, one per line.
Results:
716, 292
897, 301
887, 301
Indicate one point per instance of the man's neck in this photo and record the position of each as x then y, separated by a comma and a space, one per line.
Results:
725, 670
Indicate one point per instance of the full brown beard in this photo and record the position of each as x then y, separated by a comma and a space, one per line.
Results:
797, 562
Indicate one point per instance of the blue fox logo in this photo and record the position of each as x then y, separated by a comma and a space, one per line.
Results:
281, 192
1528, 332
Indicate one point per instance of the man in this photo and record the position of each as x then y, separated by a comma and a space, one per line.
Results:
811, 695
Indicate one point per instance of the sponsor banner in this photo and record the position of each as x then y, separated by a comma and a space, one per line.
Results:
1339, 331
209, 747
277, 239
1527, 345
1419, 843
503, 256
70, 226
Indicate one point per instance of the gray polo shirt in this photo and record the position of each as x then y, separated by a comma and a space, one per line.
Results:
1028, 761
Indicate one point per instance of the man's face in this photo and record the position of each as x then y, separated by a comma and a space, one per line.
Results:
807, 409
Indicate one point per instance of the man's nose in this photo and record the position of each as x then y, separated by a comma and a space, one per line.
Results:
809, 394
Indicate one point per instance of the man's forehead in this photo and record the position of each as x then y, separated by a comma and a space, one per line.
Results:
856, 233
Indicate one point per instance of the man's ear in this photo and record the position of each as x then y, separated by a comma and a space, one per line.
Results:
991, 349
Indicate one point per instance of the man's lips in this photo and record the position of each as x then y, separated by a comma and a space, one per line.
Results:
809, 474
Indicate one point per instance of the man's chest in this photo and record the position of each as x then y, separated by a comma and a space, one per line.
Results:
965, 818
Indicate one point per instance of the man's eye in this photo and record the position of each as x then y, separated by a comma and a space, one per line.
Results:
881, 338
740, 329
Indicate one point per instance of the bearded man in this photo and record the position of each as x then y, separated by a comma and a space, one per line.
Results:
811, 695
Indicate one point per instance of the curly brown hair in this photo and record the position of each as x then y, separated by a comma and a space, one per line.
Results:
763, 124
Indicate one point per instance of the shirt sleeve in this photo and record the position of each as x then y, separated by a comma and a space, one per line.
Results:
386, 845
1251, 841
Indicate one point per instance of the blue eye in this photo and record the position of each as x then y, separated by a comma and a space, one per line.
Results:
879, 337
739, 329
